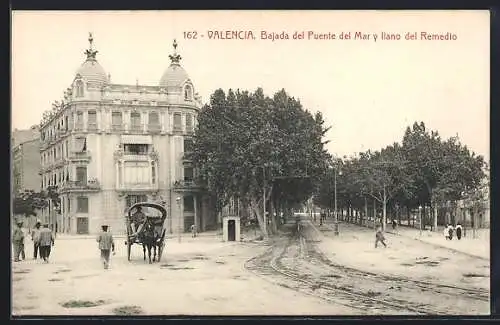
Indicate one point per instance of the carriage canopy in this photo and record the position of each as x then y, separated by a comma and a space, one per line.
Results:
152, 210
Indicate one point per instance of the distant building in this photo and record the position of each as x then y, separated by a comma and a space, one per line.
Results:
107, 146
25, 160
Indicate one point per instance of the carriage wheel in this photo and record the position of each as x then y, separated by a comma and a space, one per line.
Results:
129, 248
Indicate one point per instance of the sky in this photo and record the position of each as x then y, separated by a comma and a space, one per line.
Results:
369, 90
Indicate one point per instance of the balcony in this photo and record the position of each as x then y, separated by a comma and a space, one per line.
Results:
83, 156
154, 128
177, 129
78, 127
117, 127
91, 185
137, 187
92, 127
187, 185
189, 130
136, 128
187, 157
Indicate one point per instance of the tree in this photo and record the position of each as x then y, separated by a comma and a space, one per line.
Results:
245, 142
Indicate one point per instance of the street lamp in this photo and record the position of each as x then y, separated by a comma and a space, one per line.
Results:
420, 218
178, 200
335, 220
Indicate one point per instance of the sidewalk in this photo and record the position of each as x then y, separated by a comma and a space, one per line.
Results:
476, 247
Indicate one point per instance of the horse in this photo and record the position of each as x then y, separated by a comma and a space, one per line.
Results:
148, 240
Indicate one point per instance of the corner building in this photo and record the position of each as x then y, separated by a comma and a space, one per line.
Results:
107, 146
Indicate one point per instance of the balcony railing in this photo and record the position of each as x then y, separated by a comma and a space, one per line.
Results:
89, 185
137, 187
79, 155
187, 184
136, 127
92, 127
187, 156
78, 127
117, 127
154, 128
177, 128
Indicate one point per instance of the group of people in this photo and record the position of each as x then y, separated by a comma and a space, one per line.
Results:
449, 230
42, 238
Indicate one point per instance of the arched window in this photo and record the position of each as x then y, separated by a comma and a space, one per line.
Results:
79, 88
187, 92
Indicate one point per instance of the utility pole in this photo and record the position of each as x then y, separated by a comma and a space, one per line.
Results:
178, 199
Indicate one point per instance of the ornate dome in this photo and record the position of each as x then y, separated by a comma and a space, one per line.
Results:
175, 75
91, 70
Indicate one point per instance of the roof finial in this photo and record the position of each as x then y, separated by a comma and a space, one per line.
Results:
175, 58
90, 52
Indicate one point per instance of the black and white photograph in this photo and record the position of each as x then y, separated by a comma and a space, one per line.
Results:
250, 163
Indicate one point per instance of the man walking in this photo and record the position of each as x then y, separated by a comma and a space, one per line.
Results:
379, 237
18, 240
458, 231
106, 244
45, 242
35, 237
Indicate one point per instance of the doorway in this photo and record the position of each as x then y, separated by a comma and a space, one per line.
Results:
82, 225
231, 230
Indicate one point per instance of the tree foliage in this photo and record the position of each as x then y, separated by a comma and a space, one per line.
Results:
422, 170
248, 145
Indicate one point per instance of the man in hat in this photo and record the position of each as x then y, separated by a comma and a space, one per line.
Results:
35, 237
45, 242
18, 240
106, 244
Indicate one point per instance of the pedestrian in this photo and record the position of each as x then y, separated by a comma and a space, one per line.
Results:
35, 237
193, 231
45, 242
450, 232
445, 232
18, 240
106, 245
379, 237
394, 224
458, 231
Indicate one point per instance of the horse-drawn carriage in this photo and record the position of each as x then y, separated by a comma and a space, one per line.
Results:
146, 229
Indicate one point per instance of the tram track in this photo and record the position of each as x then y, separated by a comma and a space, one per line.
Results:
296, 263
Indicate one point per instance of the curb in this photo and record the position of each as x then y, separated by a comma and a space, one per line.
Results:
441, 246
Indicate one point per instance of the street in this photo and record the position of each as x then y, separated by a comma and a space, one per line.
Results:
311, 273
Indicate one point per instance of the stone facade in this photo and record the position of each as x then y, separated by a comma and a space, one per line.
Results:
107, 146
25, 166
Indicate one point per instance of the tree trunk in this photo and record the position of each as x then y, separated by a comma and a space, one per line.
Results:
384, 213
366, 210
374, 213
435, 221
274, 218
258, 213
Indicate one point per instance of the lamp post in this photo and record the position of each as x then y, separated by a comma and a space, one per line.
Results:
335, 215
420, 219
178, 200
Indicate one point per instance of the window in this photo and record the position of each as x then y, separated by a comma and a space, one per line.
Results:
154, 121
119, 172
135, 121
82, 204
116, 121
153, 173
133, 199
79, 88
79, 120
92, 120
80, 144
188, 93
189, 123
81, 175
177, 122
136, 149
188, 203
188, 174
188, 145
